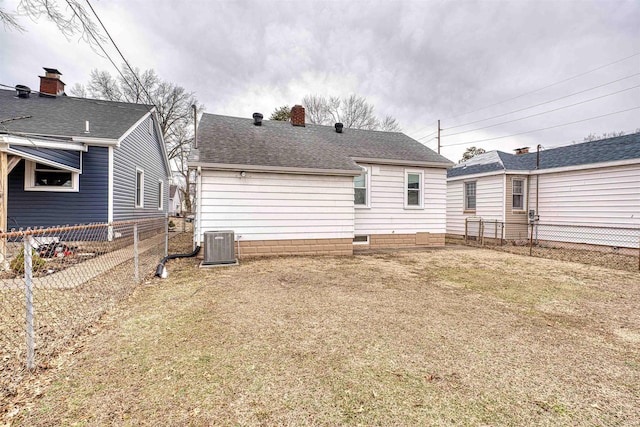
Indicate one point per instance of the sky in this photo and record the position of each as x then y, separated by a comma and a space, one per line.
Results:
481, 67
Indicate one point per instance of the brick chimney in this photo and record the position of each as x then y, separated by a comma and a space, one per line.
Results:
50, 83
523, 150
297, 115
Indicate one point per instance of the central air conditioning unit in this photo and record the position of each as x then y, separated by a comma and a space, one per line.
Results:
218, 248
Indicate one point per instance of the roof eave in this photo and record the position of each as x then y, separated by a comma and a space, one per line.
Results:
274, 169
412, 163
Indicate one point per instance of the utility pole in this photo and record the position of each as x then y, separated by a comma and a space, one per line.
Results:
438, 136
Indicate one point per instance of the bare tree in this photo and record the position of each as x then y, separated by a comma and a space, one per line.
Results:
173, 106
353, 112
70, 16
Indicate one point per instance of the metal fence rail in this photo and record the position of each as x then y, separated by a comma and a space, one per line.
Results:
609, 246
54, 282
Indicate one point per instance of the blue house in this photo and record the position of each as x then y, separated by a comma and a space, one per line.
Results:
75, 160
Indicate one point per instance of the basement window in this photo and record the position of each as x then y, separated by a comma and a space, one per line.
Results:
361, 239
41, 177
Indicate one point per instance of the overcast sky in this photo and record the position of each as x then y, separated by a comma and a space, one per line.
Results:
418, 61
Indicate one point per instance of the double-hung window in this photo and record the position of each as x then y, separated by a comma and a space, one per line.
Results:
41, 177
413, 190
361, 185
139, 188
517, 194
470, 196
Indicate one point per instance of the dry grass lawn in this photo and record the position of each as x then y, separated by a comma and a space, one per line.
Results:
442, 337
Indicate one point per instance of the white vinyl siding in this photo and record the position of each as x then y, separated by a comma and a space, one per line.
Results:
600, 197
271, 206
489, 201
387, 214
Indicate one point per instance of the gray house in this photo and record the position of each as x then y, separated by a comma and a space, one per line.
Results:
74, 160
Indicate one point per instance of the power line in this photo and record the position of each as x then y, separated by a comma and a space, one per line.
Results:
427, 136
545, 112
543, 103
135, 76
90, 32
548, 86
541, 129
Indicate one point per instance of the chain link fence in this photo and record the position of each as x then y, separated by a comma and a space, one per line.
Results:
612, 247
55, 282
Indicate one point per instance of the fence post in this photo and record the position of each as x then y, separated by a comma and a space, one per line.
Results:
531, 241
135, 253
481, 232
28, 290
466, 229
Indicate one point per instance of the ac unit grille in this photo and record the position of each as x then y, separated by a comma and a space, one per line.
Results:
218, 247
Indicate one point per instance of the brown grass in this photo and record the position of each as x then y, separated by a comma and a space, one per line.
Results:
441, 337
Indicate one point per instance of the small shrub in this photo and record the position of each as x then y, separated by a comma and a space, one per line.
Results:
17, 264
172, 224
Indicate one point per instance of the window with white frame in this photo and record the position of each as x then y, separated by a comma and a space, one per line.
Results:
41, 177
160, 194
139, 188
413, 189
517, 194
361, 185
470, 196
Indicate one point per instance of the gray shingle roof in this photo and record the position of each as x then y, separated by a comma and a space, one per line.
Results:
237, 141
65, 116
605, 150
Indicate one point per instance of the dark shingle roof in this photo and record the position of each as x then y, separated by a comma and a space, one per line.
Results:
237, 141
605, 150
66, 116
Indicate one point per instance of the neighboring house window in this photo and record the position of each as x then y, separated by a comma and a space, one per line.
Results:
413, 189
517, 187
41, 177
139, 188
470, 196
361, 185
160, 194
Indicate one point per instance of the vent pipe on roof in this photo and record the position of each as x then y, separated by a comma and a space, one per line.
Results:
339, 127
257, 119
86, 126
23, 91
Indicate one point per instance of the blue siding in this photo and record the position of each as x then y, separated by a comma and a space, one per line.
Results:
142, 150
36, 208
63, 157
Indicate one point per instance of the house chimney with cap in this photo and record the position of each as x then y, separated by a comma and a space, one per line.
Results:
50, 83
297, 115
523, 150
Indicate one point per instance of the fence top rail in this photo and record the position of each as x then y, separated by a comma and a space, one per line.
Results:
601, 227
59, 229
480, 219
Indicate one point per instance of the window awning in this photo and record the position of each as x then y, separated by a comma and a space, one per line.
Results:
70, 160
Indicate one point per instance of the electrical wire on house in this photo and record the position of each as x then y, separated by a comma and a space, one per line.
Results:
540, 129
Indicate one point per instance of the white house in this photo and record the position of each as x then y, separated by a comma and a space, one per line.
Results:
297, 188
589, 189
175, 200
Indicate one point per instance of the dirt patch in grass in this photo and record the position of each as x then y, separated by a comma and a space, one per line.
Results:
448, 337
